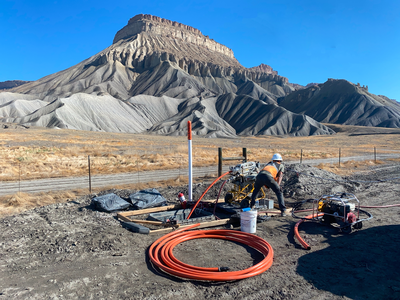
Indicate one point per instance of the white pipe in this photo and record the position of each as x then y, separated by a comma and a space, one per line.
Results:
190, 198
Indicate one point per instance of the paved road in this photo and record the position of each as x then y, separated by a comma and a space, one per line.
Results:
71, 183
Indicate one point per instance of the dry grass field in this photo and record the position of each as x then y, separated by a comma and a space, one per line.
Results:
35, 153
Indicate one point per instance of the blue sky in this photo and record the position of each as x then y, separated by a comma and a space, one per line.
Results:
305, 40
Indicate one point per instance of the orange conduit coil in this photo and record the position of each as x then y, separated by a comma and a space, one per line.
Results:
296, 230
161, 254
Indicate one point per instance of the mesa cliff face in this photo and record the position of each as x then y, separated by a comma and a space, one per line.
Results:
156, 76
145, 43
169, 29
188, 47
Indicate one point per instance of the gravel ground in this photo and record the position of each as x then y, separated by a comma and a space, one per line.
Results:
72, 251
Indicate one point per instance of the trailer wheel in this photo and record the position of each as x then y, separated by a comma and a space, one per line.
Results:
358, 225
346, 229
245, 203
228, 198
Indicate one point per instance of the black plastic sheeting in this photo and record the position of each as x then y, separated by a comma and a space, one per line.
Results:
110, 203
147, 198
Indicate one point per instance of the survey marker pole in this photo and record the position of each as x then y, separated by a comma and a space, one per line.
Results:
190, 198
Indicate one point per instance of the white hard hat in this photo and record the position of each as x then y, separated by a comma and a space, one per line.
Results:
277, 156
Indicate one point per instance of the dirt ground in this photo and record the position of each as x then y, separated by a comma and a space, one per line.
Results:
72, 251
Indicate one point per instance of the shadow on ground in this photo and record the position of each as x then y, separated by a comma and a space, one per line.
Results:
362, 265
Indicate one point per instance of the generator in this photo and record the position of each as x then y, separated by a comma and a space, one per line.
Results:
342, 210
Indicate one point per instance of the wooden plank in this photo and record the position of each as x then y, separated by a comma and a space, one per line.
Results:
202, 225
123, 218
148, 210
149, 222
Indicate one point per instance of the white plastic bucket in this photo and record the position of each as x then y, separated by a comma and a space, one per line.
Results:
248, 221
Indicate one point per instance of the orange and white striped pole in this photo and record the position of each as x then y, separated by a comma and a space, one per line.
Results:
190, 198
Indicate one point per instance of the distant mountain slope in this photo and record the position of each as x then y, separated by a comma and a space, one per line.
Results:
254, 117
341, 102
159, 74
87, 112
9, 84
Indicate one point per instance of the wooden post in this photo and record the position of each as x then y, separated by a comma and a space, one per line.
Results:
137, 167
301, 156
90, 178
19, 182
339, 156
375, 154
219, 162
244, 154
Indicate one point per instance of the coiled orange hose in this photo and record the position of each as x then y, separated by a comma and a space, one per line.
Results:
161, 254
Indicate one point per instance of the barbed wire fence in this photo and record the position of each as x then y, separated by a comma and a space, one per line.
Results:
87, 172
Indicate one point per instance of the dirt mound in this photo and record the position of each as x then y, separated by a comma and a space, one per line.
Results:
303, 181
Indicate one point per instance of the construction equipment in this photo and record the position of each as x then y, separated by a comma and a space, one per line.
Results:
341, 210
243, 179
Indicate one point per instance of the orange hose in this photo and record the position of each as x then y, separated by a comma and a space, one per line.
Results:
296, 230
161, 254
194, 207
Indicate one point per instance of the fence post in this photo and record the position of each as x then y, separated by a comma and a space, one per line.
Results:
244, 155
90, 178
375, 154
180, 163
219, 162
19, 182
339, 156
301, 156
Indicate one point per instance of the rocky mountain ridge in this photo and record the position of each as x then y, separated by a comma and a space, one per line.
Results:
9, 84
156, 76
263, 68
339, 101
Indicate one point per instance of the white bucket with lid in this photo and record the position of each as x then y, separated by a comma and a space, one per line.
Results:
248, 221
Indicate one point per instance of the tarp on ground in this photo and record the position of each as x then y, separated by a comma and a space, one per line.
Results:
147, 198
110, 203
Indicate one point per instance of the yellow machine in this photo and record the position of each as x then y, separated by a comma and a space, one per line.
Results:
243, 179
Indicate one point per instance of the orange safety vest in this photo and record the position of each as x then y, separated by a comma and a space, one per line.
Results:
271, 168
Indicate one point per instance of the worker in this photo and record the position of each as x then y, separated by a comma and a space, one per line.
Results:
271, 176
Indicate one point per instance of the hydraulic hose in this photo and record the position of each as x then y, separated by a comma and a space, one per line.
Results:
161, 254
296, 230
216, 201
384, 206
194, 207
